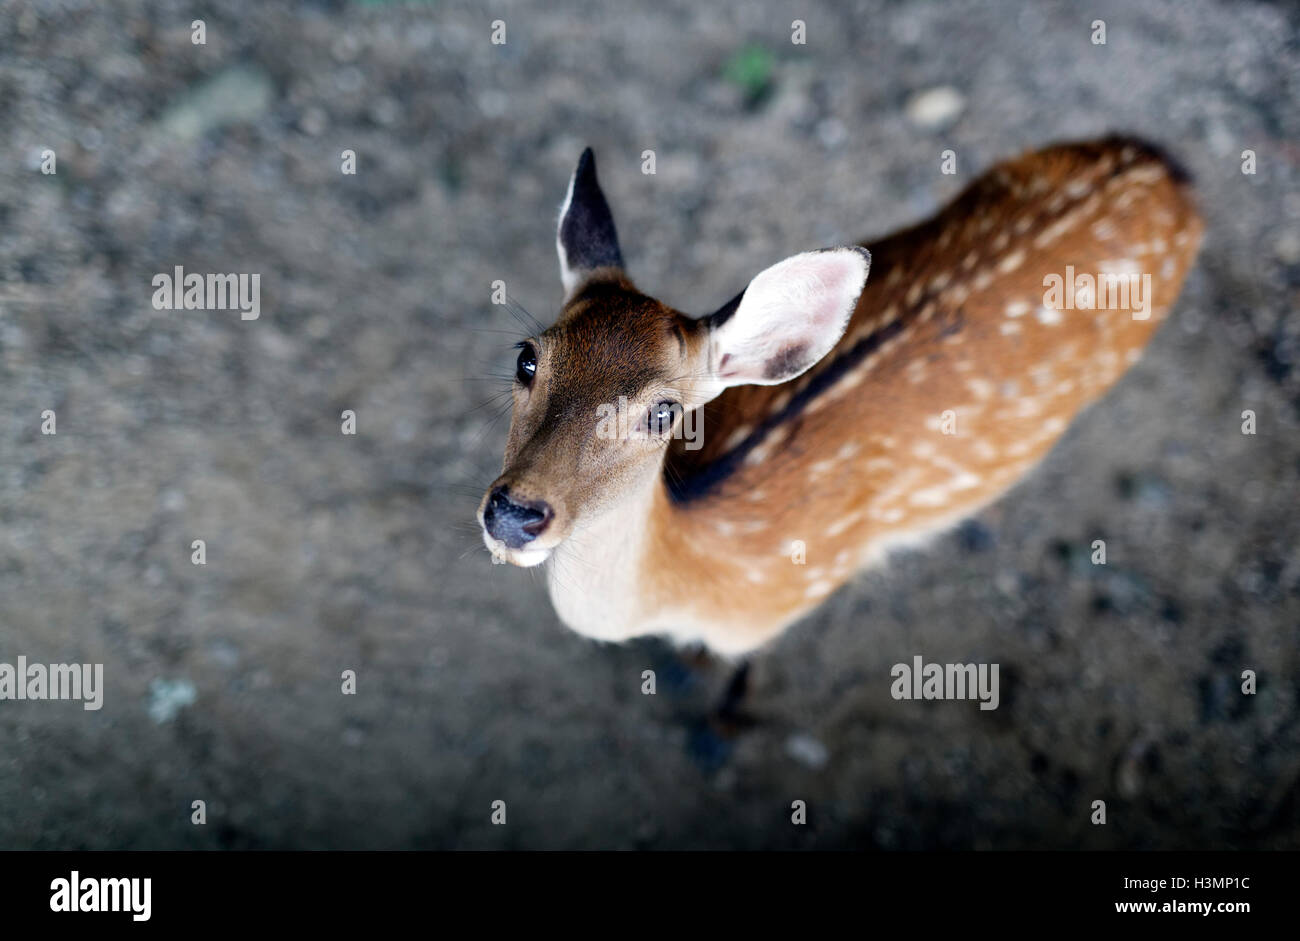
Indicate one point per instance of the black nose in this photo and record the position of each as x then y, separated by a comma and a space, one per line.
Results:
516, 523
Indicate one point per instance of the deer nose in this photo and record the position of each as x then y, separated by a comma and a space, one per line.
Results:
515, 522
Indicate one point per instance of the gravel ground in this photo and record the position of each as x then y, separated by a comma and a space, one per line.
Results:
328, 552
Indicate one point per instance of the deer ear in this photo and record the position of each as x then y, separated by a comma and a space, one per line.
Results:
789, 317
585, 239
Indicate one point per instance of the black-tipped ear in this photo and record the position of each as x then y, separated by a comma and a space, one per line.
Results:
585, 238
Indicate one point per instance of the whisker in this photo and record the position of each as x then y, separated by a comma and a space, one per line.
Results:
523, 317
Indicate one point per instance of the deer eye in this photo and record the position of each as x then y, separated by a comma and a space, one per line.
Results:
661, 417
526, 367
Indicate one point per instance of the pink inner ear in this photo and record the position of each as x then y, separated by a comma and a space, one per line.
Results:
790, 316
817, 290
832, 282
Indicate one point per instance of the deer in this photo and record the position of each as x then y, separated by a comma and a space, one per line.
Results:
840, 416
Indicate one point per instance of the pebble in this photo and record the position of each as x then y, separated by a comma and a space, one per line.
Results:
935, 107
168, 697
239, 94
807, 750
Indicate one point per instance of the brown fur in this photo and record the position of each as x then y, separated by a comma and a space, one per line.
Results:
851, 466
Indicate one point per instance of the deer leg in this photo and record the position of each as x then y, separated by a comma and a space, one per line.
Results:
733, 697
712, 736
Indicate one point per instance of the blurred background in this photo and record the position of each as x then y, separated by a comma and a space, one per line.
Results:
328, 552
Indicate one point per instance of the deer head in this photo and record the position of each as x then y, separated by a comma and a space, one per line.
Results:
599, 395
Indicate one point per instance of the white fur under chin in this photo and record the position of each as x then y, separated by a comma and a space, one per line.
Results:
524, 558
527, 558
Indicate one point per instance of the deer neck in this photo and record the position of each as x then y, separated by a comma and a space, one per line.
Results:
596, 577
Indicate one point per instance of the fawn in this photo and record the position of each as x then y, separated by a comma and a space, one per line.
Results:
841, 416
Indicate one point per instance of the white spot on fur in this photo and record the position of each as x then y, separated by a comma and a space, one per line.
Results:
817, 589
930, 496
820, 469
1077, 189
841, 524
1104, 228
740, 434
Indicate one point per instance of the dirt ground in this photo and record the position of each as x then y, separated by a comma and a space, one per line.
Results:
328, 552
